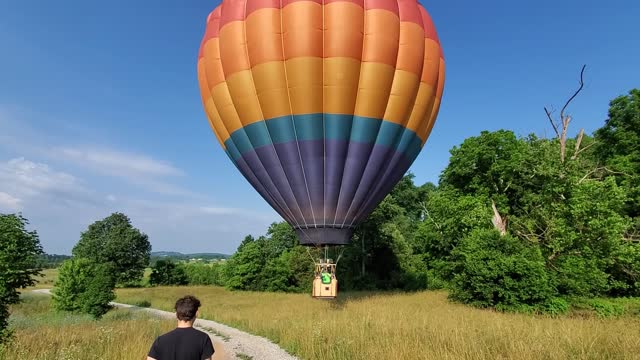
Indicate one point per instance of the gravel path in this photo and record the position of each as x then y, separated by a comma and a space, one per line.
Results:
229, 343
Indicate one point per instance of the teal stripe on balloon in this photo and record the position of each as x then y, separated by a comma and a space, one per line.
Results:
310, 127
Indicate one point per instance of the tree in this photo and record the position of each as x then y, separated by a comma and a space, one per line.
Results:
20, 251
500, 271
618, 149
84, 286
116, 242
166, 272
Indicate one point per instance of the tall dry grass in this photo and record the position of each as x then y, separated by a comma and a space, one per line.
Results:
45, 281
403, 326
43, 334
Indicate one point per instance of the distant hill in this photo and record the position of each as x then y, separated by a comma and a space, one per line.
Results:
180, 256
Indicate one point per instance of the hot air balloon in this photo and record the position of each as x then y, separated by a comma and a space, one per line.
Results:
322, 105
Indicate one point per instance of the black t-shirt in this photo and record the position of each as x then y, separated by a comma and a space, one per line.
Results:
182, 344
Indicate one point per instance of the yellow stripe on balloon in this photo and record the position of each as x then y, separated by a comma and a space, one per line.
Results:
373, 89
436, 106
226, 108
304, 79
271, 87
423, 103
341, 77
402, 96
210, 109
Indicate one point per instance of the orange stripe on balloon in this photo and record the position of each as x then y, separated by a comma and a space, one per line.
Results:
382, 35
343, 24
302, 30
264, 37
233, 48
411, 48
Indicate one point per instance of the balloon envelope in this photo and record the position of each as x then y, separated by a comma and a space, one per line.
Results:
322, 105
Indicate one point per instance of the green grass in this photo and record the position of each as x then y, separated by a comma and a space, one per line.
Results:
422, 325
43, 334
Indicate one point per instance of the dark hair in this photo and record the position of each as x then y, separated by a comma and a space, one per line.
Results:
187, 307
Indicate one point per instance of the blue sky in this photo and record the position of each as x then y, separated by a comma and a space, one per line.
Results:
100, 109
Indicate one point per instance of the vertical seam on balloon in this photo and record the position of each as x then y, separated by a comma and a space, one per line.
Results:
344, 165
395, 72
388, 170
284, 203
324, 129
273, 146
286, 77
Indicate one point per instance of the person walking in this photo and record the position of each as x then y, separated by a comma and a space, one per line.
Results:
184, 342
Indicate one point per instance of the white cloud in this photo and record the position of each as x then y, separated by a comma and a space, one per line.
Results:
9, 203
118, 163
27, 180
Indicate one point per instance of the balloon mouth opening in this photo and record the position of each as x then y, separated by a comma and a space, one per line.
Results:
320, 236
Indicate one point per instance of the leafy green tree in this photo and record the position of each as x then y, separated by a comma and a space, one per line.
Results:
84, 286
116, 242
166, 272
618, 149
204, 274
500, 271
244, 269
20, 251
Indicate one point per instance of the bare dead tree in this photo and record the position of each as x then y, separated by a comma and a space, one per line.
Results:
561, 126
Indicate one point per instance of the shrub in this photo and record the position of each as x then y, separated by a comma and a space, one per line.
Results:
499, 271
606, 308
166, 272
84, 287
204, 274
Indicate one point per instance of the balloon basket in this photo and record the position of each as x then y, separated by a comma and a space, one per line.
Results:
325, 283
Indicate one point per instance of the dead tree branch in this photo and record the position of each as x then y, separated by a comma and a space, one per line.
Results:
565, 120
498, 221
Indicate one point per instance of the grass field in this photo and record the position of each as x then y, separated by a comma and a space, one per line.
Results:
43, 334
46, 281
404, 326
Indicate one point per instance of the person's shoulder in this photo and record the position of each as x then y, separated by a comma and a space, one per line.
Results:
200, 332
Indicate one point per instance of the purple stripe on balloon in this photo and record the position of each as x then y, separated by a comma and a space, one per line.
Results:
398, 165
285, 170
354, 183
356, 161
335, 155
267, 169
312, 154
378, 160
266, 189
